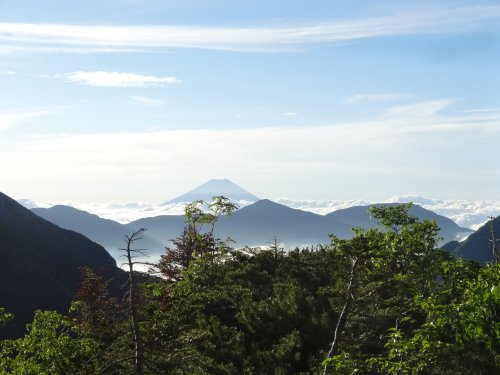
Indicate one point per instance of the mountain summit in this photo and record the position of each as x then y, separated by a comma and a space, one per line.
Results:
214, 188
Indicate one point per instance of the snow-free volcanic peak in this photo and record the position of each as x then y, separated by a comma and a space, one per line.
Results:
213, 188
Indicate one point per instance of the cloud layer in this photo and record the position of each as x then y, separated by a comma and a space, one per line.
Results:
19, 37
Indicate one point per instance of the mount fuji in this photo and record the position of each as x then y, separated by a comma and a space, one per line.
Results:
213, 188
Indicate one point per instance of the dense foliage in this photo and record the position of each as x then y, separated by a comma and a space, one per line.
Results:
386, 301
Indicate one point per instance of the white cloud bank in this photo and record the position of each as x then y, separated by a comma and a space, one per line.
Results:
36, 38
116, 79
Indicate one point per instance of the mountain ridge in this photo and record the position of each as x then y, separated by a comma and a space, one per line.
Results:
254, 224
260, 222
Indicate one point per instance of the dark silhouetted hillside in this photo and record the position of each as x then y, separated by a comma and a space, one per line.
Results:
40, 263
477, 245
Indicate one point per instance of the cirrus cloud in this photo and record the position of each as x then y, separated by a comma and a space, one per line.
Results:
47, 38
117, 79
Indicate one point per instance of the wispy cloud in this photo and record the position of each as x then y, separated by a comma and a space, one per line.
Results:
29, 37
116, 79
424, 109
33, 48
148, 102
481, 110
12, 118
430, 118
291, 114
375, 97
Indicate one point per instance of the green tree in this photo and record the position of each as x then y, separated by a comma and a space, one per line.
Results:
194, 241
50, 347
382, 272
4, 316
461, 331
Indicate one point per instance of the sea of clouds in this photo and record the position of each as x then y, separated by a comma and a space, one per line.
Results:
466, 213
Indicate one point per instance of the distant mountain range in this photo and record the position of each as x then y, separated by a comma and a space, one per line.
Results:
256, 224
40, 264
261, 222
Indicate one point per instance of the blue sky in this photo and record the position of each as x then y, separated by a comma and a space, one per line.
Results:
142, 100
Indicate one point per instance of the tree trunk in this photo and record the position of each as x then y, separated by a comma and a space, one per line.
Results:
134, 315
342, 321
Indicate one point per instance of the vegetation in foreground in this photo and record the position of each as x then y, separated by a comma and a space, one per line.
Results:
386, 301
